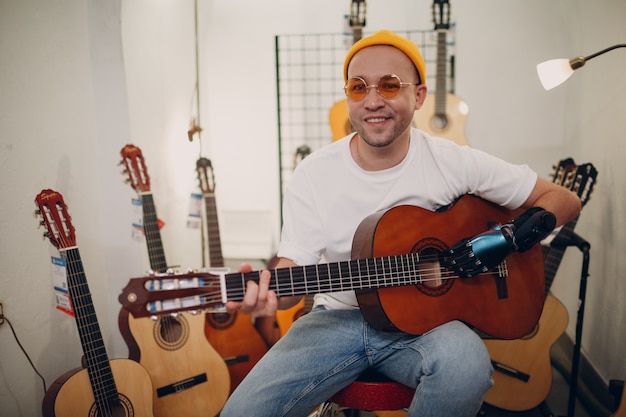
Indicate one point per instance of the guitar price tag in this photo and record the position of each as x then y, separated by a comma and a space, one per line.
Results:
59, 283
195, 210
137, 212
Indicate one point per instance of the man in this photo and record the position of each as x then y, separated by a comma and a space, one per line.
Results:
386, 163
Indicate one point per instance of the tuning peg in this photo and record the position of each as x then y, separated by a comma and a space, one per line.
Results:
36, 213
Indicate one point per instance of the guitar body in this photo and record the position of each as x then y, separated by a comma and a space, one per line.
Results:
71, 394
188, 376
237, 341
285, 318
529, 355
491, 302
339, 120
450, 125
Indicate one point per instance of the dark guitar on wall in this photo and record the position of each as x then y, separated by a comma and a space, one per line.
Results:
523, 370
233, 335
271, 328
118, 387
442, 114
396, 274
189, 376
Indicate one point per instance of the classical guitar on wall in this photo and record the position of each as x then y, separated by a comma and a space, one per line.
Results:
338, 115
396, 274
523, 370
118, 387
232, 335
189, 376
442, 114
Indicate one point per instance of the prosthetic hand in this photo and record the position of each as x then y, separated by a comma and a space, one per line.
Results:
482, 252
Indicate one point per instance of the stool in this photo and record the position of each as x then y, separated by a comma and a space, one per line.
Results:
371, 391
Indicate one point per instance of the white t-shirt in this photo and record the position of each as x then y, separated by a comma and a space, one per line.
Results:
329, 195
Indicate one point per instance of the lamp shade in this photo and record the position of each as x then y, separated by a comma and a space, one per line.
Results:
554, 72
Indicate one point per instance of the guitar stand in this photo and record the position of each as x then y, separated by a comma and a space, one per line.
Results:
584, 247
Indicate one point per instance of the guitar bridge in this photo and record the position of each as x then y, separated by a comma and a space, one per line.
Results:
502, 273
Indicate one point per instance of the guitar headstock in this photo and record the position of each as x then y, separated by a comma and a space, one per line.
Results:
135, 167
580, 179
54, 215
357, 14
171, 293
441, 14
205, 175
302, 152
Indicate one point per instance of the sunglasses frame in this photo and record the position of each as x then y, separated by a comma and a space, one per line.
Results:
370, 86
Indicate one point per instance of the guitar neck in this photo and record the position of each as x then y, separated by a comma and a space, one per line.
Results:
213, 231
156, 253
98, 366
389, 271
554, 255
440, 86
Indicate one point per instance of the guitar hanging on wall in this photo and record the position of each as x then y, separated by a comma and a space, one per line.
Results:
442, 114
232, 335
118, 387
272, 328
190, 378
338, 115
523, 370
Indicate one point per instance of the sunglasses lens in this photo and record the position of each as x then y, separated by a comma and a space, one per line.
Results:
356, 89
389, 86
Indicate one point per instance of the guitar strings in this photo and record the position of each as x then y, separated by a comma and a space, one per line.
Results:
375, 276
98, 367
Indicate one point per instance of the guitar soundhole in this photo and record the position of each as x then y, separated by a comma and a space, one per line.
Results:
221, 321
435, 279
439, 122
123, 409
171, 332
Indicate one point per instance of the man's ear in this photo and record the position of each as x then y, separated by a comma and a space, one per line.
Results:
420, 95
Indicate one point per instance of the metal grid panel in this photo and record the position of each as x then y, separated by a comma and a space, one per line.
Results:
309, 82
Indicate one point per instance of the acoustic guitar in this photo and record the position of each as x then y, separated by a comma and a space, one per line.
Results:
523, 370
338, 117
397, 276
232, 335
442, 114
119, 387
189, 377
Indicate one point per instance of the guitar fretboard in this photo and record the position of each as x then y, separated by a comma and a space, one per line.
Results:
383, 272
98, 366
153, 234
213, 230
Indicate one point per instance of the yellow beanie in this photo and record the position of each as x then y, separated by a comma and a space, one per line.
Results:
386, 37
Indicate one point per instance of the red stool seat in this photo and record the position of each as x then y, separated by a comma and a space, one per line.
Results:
373, 391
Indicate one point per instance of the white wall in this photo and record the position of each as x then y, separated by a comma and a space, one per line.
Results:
80, 80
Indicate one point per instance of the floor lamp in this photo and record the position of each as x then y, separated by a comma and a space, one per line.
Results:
551, 74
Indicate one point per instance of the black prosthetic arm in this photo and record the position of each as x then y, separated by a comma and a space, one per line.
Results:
472, 256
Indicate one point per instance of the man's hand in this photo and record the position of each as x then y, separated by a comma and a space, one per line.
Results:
258, 300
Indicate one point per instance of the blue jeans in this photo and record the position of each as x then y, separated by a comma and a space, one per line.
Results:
326, 350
